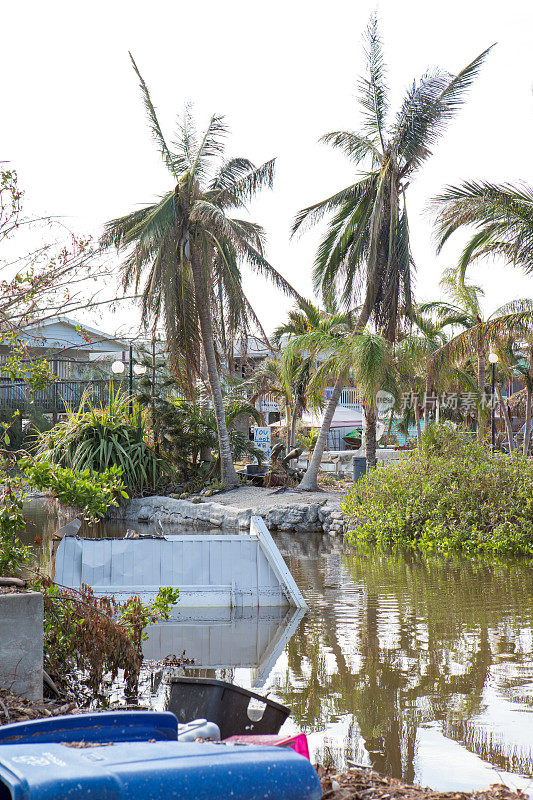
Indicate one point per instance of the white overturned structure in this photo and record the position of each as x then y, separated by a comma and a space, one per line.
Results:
225, 638
236, 571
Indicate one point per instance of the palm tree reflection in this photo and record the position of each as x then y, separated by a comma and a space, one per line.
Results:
393, 643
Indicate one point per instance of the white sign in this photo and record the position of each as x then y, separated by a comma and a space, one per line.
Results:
262, 439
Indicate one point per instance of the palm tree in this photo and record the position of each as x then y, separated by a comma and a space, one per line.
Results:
366, 245
190, 248
300, 320
512, 319
500, 214
268, 379
365, 357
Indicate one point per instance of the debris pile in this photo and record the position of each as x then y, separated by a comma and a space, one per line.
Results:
18, 709
364, 784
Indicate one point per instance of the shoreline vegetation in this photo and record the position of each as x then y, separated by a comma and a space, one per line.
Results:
449, 495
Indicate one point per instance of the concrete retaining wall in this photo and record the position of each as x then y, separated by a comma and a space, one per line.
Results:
326, 517
21, 644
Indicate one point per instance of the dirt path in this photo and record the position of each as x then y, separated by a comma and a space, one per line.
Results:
257, 497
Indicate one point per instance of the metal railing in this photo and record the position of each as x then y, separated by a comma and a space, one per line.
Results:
348, 398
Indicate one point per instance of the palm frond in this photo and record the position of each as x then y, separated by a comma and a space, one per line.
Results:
373, 89
427, 109
244, 188
154, 122
313, 214
352, 145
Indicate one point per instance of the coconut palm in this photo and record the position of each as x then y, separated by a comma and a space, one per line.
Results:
513, 319
367, 239
500, 214
267, 379
189, 248
300, 320
343, 350
366, 245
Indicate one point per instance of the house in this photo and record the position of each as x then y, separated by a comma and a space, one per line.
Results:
68, 339
79, 354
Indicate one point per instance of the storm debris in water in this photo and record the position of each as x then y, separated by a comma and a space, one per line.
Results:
18, 709
364, 784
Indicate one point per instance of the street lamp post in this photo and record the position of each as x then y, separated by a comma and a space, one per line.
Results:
493, 358
118, 368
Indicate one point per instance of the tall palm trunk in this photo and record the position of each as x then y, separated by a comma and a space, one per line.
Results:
504, 412
481, 416
416, 409
293, 424
527, 429
371, 419
288, 427
228, 475
529, 392
427, 409
309, 481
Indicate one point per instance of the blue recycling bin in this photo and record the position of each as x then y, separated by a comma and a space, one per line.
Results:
121, 726
101, 766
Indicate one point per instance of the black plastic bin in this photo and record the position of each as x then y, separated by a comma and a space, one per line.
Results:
226, 705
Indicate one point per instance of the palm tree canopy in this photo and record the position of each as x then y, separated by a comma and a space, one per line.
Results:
500, 214
195, 215
512, 320
366, 248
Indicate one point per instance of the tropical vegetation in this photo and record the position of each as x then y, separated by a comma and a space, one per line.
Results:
98, 438
365, 255
450, 494
188, 246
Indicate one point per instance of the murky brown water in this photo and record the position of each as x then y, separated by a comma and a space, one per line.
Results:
424, 670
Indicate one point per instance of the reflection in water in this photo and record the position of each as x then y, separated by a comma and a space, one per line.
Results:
225, 638
423, 670
394, 645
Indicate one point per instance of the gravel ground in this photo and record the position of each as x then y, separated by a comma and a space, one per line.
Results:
257, 498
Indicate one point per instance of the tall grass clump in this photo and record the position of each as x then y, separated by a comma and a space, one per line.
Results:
99, 437
450, 494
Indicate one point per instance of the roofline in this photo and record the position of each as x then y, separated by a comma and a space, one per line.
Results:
73, 323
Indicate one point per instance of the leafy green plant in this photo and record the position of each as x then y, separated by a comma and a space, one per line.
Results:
308, 442
98, 438
93, 493
13, 554
186, 431
451, 494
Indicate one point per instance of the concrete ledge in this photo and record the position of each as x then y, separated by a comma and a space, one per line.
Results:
21, 644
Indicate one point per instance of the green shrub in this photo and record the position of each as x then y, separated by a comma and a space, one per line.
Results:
92, 493
451, 494
98, 438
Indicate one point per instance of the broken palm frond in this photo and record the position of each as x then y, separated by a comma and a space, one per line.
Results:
365, 783
18, 709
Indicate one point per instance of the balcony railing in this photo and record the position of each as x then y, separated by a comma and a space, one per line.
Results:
348, 399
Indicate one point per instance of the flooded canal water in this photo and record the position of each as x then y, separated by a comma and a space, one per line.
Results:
423, 670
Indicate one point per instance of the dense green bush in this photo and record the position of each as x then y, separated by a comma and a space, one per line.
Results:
98, 438
449, 494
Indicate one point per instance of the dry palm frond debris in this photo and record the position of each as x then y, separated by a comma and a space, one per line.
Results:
18, 709
364, 784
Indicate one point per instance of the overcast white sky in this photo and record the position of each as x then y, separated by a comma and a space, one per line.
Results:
73, 125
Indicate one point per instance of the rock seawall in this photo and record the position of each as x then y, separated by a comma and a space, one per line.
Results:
326, 517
